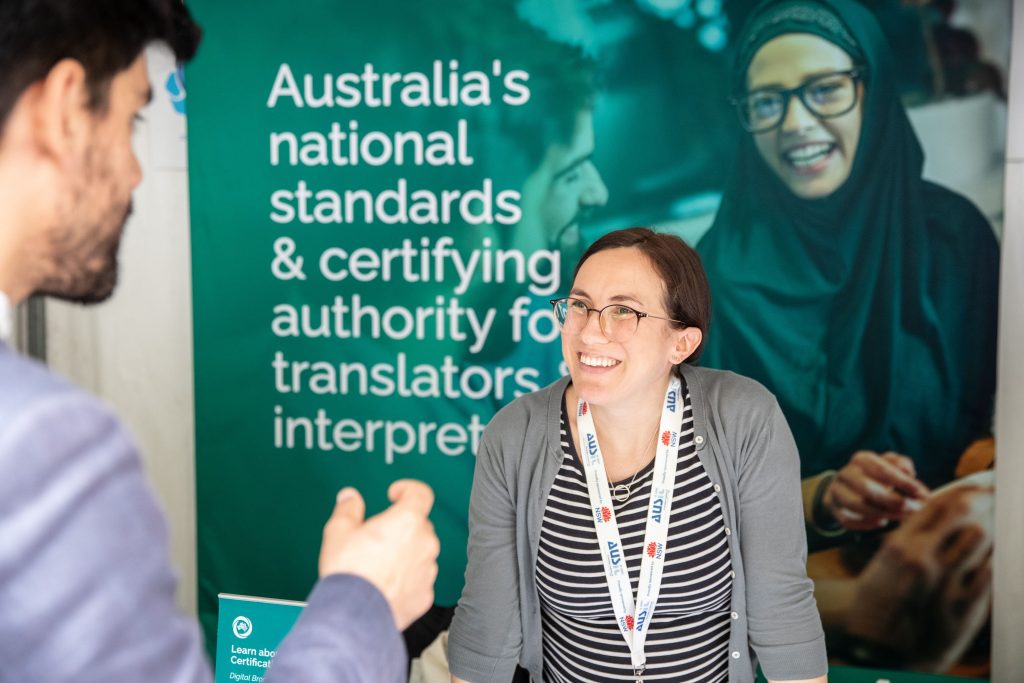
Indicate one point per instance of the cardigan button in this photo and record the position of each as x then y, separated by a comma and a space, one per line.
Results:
735, 615
728, 531
698, 439
735, 655
718, 488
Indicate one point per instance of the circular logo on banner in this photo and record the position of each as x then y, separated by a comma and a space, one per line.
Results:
242, 627
175, 86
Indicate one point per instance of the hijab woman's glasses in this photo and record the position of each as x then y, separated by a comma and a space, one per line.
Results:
618, 322
826, 96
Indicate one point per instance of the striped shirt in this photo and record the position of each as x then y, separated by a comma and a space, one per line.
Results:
688, 638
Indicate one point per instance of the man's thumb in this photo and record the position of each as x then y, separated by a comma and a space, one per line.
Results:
350, 508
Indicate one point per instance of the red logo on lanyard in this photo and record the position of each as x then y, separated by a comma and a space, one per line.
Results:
583, 408
666, 437
652, 548
606, 514
629, 622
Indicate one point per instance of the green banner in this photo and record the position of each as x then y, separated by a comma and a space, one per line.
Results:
384, 197
370, 273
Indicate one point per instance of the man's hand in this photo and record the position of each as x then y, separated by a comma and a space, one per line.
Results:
872, 490
928, 590
395, 550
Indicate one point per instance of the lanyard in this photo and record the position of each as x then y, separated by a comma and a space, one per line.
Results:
634, 618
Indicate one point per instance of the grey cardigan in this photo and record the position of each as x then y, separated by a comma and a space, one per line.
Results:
746, 447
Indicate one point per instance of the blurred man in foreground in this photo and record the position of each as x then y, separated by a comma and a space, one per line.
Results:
86, 589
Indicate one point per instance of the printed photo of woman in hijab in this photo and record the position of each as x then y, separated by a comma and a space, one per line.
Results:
865, 298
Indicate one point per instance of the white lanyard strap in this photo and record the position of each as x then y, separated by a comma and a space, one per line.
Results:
634, 618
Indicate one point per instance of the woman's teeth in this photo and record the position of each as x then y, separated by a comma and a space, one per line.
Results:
597, 361
808, 155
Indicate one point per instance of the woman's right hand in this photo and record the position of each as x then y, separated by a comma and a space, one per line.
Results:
873, 489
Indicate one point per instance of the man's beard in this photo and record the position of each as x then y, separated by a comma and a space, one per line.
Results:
86, 271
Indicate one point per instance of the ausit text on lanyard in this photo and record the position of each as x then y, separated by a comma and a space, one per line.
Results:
634, 618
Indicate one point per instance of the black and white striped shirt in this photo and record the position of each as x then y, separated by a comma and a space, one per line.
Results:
688, 639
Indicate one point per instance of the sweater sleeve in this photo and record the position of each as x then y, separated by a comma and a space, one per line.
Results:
486, 635
85, 580
346, 634
784, 627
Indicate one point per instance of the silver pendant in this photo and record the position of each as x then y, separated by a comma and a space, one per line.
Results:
621, 493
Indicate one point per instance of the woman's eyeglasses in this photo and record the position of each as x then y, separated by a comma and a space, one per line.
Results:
618, 322
825, 96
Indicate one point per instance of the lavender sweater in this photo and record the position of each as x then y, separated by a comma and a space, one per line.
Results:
86, 589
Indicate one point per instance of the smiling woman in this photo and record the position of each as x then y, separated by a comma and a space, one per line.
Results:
640, 508
809, 140
859, 293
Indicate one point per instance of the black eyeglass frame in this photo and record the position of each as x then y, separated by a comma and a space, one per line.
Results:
857, 74
640, 315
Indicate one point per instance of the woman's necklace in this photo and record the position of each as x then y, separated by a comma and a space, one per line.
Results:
621, 492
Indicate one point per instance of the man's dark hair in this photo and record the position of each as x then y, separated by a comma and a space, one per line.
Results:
687, 293
106, 36
563, 82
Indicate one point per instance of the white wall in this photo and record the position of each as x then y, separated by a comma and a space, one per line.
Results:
1008, 665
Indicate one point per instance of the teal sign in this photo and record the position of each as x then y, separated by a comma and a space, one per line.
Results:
248, 633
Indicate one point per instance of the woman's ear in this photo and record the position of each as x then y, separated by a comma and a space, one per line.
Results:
687, 341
